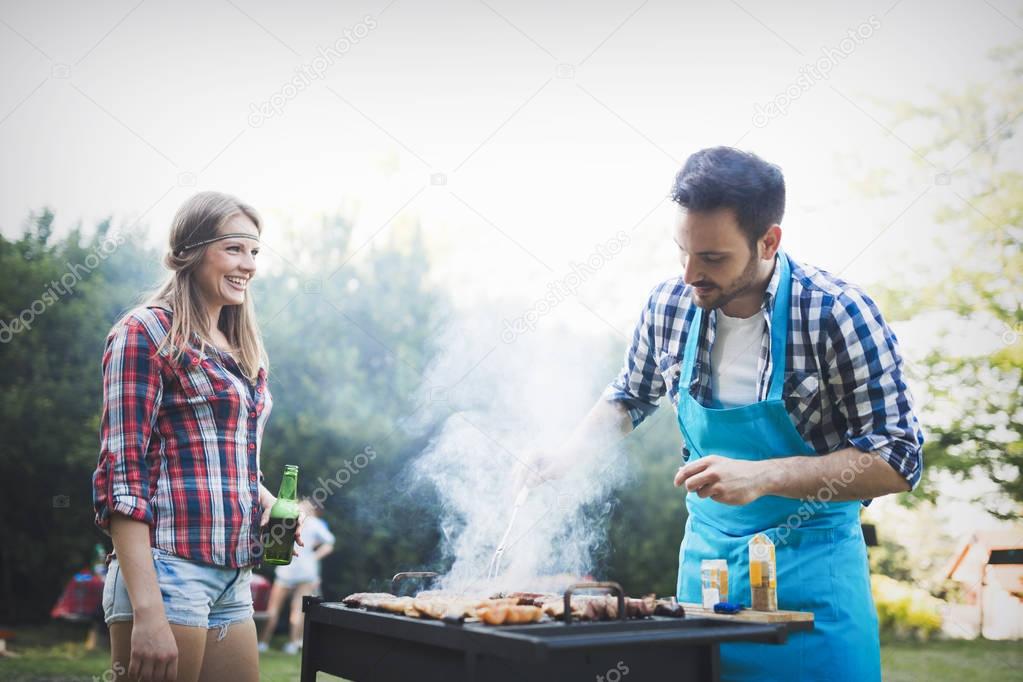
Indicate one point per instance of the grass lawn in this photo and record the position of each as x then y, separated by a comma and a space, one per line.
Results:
957, 659
57, 652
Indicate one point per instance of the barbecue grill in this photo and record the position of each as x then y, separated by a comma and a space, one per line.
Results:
363, 645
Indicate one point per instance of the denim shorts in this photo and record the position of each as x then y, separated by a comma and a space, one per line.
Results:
194, 594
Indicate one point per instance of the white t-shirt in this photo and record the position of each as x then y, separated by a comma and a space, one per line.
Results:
305, 568
734, 357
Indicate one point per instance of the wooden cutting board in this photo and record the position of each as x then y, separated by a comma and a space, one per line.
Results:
749, 615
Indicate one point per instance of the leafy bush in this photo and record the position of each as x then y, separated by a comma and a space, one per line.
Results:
905, 610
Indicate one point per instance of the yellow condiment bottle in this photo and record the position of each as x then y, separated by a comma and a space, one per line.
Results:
763, 581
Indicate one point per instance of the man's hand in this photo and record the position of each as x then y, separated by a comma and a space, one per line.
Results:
540, 466
154, 653
725, 480
601, 429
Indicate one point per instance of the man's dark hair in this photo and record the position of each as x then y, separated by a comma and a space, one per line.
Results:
723, 177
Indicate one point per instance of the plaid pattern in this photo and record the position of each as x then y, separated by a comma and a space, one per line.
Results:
844, 384
180, 445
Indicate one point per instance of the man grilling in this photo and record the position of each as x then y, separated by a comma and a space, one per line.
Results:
793, 409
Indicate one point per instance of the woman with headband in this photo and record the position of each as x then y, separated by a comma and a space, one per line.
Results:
178, 487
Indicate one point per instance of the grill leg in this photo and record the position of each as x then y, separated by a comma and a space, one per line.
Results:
309, 637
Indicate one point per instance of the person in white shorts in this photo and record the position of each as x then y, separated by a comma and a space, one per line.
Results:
299, 578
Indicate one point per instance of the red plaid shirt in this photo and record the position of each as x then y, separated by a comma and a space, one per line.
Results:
180, 444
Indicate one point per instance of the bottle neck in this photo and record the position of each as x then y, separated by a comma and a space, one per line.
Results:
289, 484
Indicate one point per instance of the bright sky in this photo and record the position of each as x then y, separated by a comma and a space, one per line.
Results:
520, 134
552, 126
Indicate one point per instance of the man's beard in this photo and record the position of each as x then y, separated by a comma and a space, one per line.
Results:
739, 286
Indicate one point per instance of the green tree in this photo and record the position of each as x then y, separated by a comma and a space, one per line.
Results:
974, 419
646, 529
58, 299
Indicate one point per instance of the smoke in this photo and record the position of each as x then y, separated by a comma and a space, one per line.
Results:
499, 400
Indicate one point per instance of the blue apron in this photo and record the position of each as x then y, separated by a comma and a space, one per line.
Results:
820, 552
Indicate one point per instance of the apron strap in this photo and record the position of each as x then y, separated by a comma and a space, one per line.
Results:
780, 327
779, 334
689, 354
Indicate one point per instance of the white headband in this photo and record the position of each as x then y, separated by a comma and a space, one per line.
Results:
232, 235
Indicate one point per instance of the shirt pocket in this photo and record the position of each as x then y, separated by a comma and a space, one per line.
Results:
802, 393
670, 367
198, 378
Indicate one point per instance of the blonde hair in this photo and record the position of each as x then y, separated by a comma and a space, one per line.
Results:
198, 219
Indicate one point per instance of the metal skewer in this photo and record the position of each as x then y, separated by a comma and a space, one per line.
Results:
495, 562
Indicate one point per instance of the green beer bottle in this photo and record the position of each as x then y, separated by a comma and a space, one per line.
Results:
279, 534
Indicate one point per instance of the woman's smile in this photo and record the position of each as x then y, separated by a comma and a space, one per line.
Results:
237, 282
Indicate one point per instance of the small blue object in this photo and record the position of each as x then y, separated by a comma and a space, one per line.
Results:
727, 607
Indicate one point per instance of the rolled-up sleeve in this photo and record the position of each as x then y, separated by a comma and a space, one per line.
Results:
867, 380
132, 392
639, 386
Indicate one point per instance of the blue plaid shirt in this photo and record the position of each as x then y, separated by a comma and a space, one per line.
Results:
844, 384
